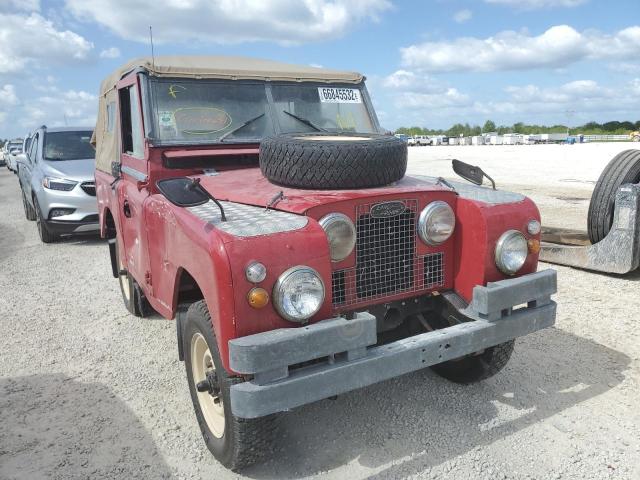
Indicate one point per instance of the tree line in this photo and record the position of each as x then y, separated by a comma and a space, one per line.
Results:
590, 128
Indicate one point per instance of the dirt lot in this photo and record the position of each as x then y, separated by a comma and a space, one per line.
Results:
88, 391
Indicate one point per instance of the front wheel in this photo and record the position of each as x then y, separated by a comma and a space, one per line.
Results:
43, 231
478, 366
235, 442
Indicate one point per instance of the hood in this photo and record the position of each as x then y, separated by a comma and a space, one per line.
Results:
79, 170
250, 187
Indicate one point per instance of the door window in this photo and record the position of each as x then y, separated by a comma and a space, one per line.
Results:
130, 122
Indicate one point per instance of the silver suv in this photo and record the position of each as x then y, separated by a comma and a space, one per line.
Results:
57, 181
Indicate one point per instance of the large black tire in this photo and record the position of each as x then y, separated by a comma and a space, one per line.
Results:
43, 231
330, 161
133, 297
237, 442
623, 168
478, 367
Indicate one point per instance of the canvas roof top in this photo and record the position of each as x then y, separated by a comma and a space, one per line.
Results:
226, 67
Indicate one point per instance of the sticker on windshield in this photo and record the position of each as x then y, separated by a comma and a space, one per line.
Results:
339, 95
166, 119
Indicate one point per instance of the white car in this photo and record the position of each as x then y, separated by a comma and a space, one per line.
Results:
423, 140
411, 142
12, 150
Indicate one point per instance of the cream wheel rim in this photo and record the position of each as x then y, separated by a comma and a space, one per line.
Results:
124, 281
210, 404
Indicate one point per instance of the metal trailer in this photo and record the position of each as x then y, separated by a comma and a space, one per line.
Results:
496, 140
453, 141
477, 140
615, 249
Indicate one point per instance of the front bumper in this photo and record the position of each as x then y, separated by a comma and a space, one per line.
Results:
492, 317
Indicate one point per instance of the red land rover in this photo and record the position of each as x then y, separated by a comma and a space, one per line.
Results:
260, 205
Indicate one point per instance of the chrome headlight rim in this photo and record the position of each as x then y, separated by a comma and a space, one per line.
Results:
504, 238
426, 213
278, 293
327, 221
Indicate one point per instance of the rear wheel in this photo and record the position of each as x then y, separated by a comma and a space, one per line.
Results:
132, 295
623, 168
235, 442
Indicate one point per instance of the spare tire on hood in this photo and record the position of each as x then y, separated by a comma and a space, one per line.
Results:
333, 161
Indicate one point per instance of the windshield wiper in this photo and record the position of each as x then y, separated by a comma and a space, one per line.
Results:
305, 121
240, 127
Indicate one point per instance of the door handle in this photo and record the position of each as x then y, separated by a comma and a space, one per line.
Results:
126, 209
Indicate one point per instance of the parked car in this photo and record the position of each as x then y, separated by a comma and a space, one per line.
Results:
57, 182
411, 142
298, 260
423, 140
12, 150
3, 152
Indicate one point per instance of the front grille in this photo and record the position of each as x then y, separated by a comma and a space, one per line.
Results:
385, 248
89, 188
386, 260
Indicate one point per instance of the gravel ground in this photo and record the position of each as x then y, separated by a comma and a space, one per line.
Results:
88, 391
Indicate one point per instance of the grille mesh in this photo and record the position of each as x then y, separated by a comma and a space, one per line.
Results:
386, 260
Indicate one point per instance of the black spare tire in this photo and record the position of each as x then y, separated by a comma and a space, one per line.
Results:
333, 161
623, 168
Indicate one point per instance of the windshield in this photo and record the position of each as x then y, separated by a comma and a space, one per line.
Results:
212, 111
328, 108
201, 111
60, 146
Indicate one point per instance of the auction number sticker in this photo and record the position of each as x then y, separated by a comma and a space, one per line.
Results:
339, 95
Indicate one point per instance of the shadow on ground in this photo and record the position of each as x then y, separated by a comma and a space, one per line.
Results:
419, 421
52, 426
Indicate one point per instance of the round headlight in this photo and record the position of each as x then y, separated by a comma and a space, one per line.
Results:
511, 252
437, 222
298, 294
341, 234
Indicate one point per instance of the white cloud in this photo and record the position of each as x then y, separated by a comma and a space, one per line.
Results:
558, 46
462, 16
58, 108
33, 38
22, 5
112, 52
536, 4
229, 21
8, 95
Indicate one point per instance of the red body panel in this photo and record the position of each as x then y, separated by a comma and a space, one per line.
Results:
162, 240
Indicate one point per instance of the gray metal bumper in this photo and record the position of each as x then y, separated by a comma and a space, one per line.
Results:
352, 362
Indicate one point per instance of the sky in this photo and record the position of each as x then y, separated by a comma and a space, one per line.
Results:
429, 63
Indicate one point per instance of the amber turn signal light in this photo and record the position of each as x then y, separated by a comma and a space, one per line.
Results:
534, 245
258, 297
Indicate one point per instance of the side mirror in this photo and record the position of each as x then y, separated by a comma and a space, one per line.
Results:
183, 191
471, 173
187, 192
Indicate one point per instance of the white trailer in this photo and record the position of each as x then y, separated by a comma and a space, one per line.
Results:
477, 140
453, 141
496, 140
436, 141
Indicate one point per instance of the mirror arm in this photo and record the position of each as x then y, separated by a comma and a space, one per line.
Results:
195, 183
493, 184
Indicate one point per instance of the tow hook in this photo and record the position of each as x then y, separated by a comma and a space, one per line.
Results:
209, 384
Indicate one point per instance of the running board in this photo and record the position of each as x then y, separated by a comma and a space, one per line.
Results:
618, 252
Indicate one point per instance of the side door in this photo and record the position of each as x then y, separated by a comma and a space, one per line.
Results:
26, 167
132, 190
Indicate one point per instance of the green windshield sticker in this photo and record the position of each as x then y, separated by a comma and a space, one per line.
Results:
166, 119
174, 89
